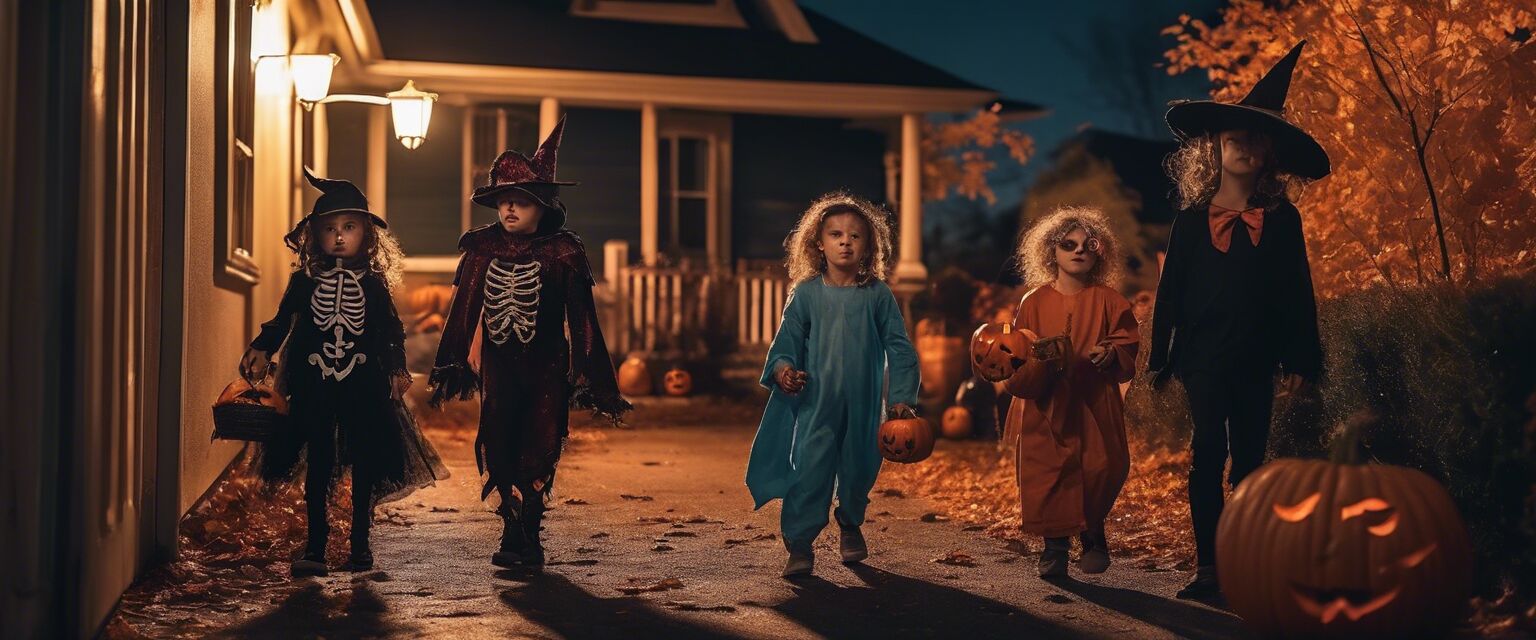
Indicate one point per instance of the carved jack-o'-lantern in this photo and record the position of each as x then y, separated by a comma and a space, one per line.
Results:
634, 377
956, 423
677, 382
907, 439
997, 350
1313, 548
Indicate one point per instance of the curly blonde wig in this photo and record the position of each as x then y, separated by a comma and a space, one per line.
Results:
805, 261
1037, 250
385, 258
1195, 169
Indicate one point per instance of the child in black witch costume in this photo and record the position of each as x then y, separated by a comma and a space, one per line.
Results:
521, 282
343, 366
1235, 304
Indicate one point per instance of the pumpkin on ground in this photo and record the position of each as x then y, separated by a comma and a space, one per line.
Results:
956, 423
1340, 549
678, 382
905, 439
997, 350
634, 377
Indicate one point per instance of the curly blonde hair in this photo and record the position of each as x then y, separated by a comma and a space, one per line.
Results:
805, 261
1037, 249
385, 258
1195, 169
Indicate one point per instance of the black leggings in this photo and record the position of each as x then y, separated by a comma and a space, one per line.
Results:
1231, 415
323, 466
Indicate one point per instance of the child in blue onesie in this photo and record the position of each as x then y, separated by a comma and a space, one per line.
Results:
841, 334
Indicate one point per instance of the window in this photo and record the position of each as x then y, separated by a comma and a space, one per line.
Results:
693, 186
235, 159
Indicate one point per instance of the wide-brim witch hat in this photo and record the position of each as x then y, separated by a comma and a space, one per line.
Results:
1263, 109
534, 176
336, 196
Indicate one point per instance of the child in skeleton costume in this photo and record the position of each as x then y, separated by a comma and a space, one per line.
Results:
343, 365
1235, 304
521, 282
842, 336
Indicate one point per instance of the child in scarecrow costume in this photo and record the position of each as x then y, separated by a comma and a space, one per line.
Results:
343, 366
841, 342
1235, 304
521, 281
1069, 429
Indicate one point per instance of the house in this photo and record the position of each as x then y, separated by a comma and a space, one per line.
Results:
150, 162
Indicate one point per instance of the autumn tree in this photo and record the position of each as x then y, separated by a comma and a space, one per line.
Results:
954, 154
1428, 111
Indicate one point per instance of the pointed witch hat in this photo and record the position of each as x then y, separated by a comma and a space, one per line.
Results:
336, 196
534, 176
1263, 109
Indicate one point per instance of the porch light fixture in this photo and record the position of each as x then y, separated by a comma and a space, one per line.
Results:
410, 107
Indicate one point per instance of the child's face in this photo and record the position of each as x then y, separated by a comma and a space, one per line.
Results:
1243, 152
341, 235
844, 241
519, 213
1077, 253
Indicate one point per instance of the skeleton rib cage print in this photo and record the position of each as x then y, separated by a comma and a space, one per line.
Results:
511, 300
339, 306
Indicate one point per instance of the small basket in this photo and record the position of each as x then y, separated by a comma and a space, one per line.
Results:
249, 411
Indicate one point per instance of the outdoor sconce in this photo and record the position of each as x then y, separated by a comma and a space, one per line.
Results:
410, 107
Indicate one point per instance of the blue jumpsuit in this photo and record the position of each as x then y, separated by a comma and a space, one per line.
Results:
846, 338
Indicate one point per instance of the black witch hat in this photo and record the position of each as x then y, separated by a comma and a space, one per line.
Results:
534, 176
1263, 109
336, 196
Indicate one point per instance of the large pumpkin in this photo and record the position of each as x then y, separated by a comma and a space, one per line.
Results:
678, 382
634, 377
956, 423
1313, 548
997, 350
908, 439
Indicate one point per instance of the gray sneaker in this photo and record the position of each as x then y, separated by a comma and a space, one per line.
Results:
851, 541
800, 564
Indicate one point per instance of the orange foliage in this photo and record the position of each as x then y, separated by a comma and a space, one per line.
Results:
1427, 109
953, 159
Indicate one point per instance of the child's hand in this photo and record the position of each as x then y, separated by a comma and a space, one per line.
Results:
402, 383
901, 410
790, 380
1099, 356
253, 365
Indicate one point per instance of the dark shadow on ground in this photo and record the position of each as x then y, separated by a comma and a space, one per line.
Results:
311, 613
896, 606
571, 612
1177, 617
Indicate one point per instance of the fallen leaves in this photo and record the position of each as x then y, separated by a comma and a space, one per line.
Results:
956, 558
665, 584
627, 496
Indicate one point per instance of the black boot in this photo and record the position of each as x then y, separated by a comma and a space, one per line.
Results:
1204, 587
512, 543
361, 556
533, 551
313, 562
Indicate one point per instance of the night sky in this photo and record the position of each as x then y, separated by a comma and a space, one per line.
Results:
1090, 62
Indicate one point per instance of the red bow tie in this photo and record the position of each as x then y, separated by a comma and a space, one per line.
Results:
1223, 219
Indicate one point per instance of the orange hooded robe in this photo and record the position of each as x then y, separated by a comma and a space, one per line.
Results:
1071, 446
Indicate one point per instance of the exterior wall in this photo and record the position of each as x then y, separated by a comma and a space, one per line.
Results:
220, 318
782, 163
601, 150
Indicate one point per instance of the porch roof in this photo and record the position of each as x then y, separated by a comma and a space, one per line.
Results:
546, 35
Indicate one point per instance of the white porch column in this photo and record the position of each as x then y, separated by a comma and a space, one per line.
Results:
910, 272
378, 160
549, 114
650, 188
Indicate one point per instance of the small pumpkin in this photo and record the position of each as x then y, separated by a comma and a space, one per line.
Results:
905, 439
634, 377
980, 397
997, 350
677, 382
956, 423
1340, 549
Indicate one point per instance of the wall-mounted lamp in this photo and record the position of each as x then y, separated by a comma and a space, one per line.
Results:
410, 107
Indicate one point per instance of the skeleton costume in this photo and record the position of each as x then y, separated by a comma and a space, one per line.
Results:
342, 342
522, 291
